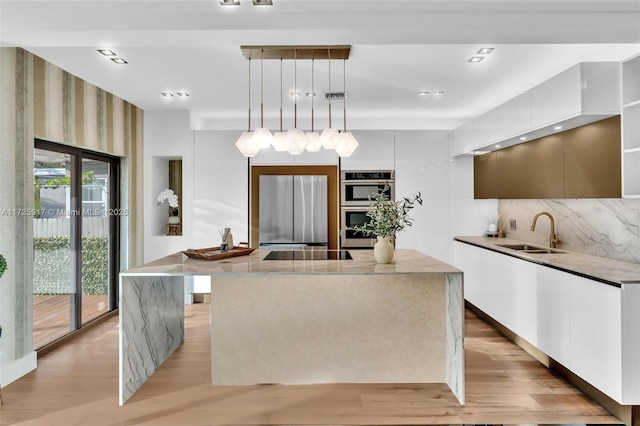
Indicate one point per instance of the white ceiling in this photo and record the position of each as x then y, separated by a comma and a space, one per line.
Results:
399, 47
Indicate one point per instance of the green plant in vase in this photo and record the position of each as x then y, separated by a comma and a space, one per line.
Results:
386, 219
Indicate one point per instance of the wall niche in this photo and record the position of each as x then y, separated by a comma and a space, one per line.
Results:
167, 173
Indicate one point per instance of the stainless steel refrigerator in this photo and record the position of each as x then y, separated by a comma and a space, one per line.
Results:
293, 210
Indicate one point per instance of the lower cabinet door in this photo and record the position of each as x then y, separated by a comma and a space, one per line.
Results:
554, 314
596, 335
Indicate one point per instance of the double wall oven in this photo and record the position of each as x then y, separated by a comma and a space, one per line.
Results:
356, 188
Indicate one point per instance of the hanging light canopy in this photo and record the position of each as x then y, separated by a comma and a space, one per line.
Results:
245, 142
347, 143
294, 140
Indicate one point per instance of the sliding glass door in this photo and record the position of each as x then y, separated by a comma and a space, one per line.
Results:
76, 221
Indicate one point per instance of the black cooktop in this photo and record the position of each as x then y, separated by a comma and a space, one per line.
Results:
308, 255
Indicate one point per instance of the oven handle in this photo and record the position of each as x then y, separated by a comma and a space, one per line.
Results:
367, 182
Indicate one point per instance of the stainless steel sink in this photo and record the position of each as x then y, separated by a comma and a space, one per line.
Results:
527, 248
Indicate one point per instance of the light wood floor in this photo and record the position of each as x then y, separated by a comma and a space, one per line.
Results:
78, 385
52, 313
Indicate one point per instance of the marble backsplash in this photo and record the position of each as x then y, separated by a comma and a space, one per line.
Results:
600, 227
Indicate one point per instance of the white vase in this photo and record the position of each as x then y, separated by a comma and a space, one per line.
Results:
383, 250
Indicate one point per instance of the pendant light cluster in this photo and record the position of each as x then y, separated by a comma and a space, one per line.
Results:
295, 140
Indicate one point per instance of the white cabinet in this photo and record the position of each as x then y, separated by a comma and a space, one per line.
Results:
553, 314
586, 88
506, 292
514, 116
463, 140
376, 151
596, 335
481, 278
518, 297
631, 128
485, 127
577, 321
582, 94
556, 98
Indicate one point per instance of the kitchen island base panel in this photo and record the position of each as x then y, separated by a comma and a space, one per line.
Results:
151, 327
389, 328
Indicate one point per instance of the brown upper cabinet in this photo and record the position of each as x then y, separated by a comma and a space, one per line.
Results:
584, 162
592, 160
485, 181
511, 162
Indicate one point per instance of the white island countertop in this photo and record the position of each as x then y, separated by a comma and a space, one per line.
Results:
404, 262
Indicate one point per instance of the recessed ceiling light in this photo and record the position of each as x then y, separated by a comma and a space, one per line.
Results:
423, 93
262, 3
183, 94
476, 58
485, 51
523, 138
107, 52
557, 128
497, 146
119, 61
167, 94
310, 94
230, 2
295, 93
438, 93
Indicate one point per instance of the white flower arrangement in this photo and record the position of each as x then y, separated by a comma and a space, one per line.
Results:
169, 196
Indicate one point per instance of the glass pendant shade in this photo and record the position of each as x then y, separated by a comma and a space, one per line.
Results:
280, 142
347, 144
314, 144
329, 138
246, 145
262, 137
296, 141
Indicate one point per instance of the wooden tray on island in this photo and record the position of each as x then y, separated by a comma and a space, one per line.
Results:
214, 253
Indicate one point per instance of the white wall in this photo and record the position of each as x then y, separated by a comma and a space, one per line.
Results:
422, 160
220, 188
166, 136
467, 216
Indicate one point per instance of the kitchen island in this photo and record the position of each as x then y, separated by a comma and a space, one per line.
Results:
302, 321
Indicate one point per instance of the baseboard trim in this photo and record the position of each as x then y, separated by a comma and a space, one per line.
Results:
79, 332
16, 369
629, 414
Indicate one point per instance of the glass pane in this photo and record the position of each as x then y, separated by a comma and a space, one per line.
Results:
95, 238
52, 261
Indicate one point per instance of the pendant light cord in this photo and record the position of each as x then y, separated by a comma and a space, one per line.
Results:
330, 94
261, 87
249, 85
344, 94
281, 94
295, 89
313, 91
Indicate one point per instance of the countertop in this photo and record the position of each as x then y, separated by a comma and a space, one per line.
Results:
596, 267
404, 262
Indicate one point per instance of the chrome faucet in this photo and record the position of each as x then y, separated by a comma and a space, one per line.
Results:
553, 238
